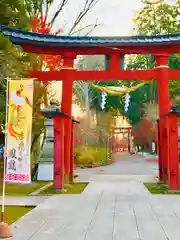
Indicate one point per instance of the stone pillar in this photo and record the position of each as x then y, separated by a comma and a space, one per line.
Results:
47, 154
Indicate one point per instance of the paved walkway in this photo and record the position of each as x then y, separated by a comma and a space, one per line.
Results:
114, 206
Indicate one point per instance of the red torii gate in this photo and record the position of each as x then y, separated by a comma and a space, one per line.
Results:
114, 48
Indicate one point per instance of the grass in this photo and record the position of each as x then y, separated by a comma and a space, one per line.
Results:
157, 188
22, 189
13, 213
76, 188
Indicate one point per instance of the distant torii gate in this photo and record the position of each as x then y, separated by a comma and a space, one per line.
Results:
118, 144
114, 48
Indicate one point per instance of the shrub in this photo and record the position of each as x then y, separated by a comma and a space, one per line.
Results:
90, 156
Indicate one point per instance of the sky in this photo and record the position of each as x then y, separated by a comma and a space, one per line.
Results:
115, 16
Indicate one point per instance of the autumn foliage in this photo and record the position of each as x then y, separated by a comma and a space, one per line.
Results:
144, 133
39, 25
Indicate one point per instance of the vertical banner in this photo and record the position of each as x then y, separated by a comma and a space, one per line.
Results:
19, 126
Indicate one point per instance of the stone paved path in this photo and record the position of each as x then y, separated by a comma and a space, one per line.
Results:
114, 206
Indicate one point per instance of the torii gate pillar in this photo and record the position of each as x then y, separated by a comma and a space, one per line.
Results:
173, 169
67, 90
164, 108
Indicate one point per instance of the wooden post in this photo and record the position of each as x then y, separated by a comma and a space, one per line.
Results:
71, 176
58, 152
114, 62
159, 154
173, 152
67, 88
164, 108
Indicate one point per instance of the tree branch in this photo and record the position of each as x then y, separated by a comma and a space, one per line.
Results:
91, 26
83, 28
89, 4
62, 4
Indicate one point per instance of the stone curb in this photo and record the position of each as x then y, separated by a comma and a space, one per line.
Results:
41, 189
9, 238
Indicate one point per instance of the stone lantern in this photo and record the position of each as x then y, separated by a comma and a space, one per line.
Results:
47, 155
52, 162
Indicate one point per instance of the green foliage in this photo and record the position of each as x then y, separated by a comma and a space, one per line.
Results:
22, 189
13, 62
90, 156
174, 85
13, 213
161, 18
152, 19
157, 188
139, 61
2, 103
113, 102
94, 95
13, 13
147, 94
158, 18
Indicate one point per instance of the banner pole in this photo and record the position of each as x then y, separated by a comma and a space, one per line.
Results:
5, 231
5, 154
3, 190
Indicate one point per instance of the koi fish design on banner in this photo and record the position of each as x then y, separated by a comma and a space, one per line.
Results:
19, 125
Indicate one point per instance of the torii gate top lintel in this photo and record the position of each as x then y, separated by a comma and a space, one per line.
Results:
68, 47
52, 44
